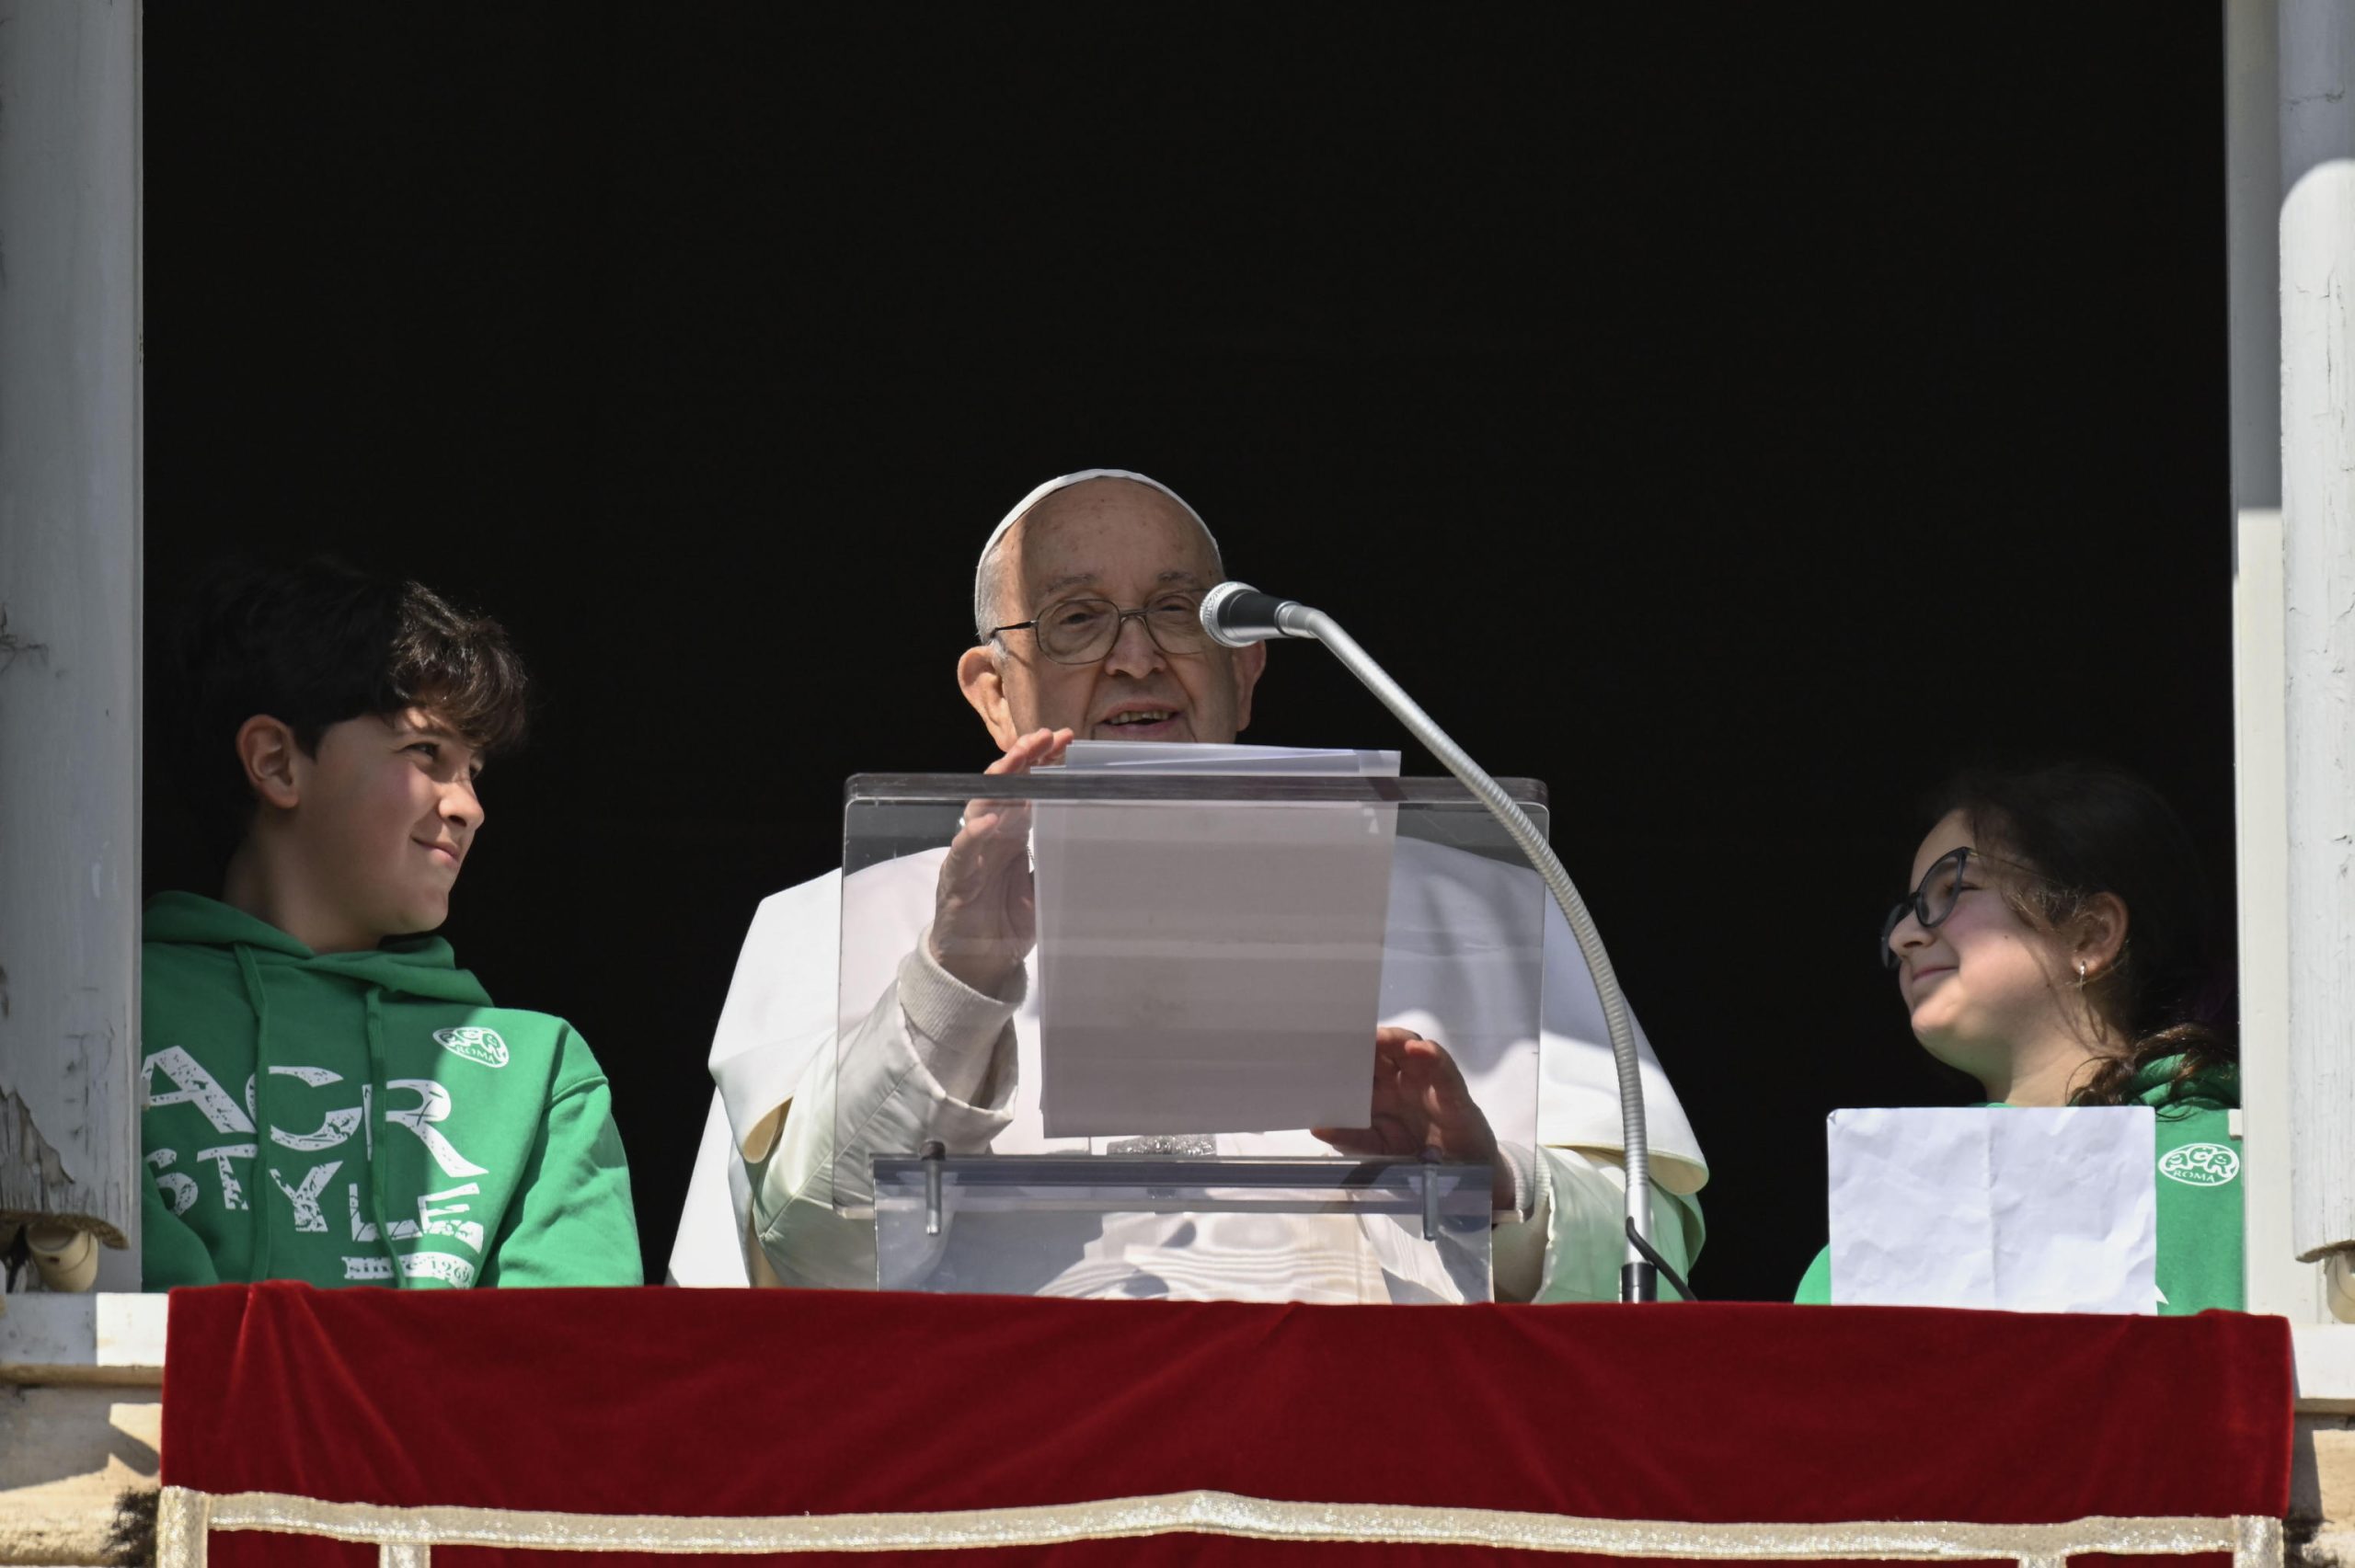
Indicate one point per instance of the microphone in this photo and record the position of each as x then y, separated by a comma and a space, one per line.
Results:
1237, 614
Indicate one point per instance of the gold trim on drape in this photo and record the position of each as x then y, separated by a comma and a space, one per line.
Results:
407, 1535
183, 1521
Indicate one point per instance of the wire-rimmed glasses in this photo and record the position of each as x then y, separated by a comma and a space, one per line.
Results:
1081, 631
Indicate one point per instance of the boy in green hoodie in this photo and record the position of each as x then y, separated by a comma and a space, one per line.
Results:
330, 1097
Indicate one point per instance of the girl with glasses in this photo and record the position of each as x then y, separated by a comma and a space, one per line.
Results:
2059, 946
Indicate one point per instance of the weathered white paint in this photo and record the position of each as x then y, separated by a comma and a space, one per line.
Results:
2323, 1356
2277, 1282
110, 1339
2317, 44
70, 530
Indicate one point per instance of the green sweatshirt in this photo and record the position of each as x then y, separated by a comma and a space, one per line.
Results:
364, 1118
2198, 1194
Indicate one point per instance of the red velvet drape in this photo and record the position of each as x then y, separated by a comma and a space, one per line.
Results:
769, 1403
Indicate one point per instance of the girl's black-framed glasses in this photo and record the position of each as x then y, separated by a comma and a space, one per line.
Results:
1942, 886
1930, 903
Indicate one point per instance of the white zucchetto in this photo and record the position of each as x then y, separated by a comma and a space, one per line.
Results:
1082, 477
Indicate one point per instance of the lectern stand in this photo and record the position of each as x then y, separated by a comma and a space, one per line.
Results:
985, 1223
1212, 898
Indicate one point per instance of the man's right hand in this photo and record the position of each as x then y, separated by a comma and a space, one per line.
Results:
985, 911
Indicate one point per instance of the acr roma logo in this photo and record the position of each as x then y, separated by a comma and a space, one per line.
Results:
485, 1047
2201, 1164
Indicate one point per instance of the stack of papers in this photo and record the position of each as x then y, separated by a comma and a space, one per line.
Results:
1162, 757
1210, 968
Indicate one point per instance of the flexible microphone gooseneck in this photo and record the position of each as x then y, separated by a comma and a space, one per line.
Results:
1238, 615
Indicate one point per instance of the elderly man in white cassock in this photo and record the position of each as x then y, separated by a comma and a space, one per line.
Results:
949, 1052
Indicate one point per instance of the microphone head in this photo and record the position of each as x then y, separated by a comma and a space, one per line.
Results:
1216, 606
1237, 614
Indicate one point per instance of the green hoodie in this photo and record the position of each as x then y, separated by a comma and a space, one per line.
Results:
2199, 1193
358, 1118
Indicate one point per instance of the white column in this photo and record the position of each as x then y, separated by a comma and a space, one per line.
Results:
2277, 1282
70, 529
2317, 48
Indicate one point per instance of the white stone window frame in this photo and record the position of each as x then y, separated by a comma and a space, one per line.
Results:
2290, 224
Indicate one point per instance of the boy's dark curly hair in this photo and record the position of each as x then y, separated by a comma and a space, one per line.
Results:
312, 645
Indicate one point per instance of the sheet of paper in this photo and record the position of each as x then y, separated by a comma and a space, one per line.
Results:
2025, 1210
1168, 757
1210, 968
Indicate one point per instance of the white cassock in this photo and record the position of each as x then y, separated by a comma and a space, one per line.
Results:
933, 1058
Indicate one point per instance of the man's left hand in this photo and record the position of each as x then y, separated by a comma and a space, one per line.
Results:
1421, 1102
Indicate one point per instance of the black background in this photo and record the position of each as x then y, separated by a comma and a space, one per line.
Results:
1731, 416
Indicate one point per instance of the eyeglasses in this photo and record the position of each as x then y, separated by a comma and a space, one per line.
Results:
1941, 886
1930, 903
1935, 899
1081, 631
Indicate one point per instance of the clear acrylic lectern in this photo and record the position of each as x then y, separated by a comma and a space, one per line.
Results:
1206, 959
